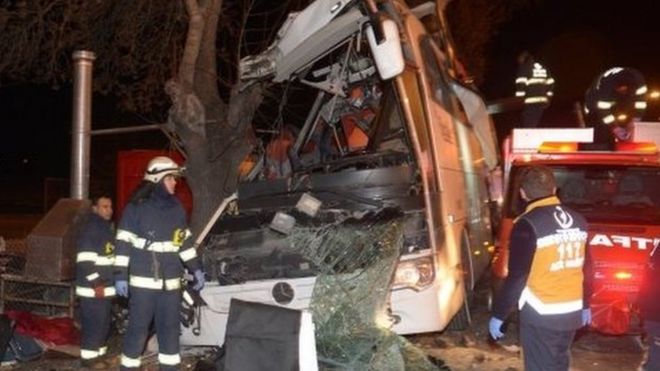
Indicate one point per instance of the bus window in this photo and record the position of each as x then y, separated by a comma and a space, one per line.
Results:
438, 77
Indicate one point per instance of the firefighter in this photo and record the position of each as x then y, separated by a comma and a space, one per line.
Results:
650, 309
94, 281
152, 240
545, 275
615, 100
535, 85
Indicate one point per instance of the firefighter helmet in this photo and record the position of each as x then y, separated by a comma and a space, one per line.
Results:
161, 166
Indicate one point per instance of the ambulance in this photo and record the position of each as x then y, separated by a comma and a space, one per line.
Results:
615, 188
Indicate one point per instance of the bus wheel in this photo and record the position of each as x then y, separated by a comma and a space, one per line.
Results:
462, 319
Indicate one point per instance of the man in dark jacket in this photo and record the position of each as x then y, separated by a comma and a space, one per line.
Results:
545, 275
94, 281
535, 85
650, 308
153, 240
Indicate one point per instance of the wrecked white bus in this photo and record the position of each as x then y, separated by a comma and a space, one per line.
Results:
391, 128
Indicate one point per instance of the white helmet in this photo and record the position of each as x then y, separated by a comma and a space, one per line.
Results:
159, 167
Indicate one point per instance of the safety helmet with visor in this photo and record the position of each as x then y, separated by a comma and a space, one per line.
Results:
161, 166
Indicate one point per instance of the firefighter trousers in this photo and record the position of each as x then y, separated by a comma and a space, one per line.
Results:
161, 307
531, 115
95, 319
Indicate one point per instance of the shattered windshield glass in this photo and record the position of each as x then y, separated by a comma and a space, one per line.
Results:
356, 263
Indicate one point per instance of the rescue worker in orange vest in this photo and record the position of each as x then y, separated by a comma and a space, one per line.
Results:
356, 123
278, 163
547, 253
535, 85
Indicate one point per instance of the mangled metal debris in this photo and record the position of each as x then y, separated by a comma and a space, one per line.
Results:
308, 204
282, 222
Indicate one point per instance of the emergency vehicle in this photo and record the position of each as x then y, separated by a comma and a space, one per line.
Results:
616, 189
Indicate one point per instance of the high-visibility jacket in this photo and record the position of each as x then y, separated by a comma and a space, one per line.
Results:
534, 83
555, 281
95, 257
152, 240
618, 91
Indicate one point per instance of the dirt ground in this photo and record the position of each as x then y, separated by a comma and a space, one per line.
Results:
459, 350
470, 350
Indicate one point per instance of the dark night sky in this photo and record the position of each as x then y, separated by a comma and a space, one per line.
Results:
577, 40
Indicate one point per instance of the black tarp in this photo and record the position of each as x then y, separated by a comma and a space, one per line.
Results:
261, 337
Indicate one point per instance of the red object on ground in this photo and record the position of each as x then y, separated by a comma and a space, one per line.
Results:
130, 170
58, 331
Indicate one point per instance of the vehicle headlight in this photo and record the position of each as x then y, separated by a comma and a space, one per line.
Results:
415, 273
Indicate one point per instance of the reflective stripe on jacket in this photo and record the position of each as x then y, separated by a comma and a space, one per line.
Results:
153, 240
95, 257
534, 83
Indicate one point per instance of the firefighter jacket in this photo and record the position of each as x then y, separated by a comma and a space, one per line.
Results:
95, 257
649, 296
152, 241
534, 83
617, 94
547, 253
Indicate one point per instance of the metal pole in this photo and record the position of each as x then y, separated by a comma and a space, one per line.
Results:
83, 62
130, 129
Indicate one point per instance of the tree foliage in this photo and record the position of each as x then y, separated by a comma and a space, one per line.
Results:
138, 45
474, 24
178, 57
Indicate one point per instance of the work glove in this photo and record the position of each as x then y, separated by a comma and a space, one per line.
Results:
99, 291
121, 287
586, 317
200, 280
495, 328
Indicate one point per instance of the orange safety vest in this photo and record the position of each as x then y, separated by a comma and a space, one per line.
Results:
554, 284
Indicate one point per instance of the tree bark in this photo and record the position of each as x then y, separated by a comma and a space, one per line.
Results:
213, 133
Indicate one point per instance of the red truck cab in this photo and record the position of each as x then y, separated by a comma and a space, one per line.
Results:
616, 190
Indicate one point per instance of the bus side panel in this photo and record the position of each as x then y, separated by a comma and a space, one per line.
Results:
448, 175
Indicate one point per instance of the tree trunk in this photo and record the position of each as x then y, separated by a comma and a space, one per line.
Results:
213, 133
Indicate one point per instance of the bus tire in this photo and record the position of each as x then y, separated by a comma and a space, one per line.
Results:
462, 319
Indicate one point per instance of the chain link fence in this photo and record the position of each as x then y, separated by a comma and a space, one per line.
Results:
19, 292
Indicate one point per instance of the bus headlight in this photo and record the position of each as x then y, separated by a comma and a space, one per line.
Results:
415, 274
